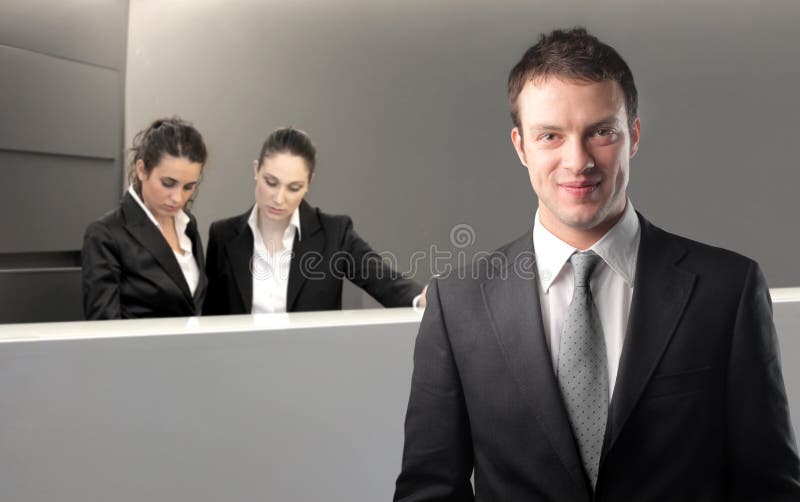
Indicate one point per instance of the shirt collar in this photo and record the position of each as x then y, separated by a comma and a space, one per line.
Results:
181, 220
291, 229
618, 248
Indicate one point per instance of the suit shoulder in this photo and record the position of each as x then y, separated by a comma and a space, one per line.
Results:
710, 255
227, 226
109, 221
515, 257
335, 226
717, 270
327, 220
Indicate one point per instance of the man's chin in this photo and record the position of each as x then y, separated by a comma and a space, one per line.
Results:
585, 220
592, 221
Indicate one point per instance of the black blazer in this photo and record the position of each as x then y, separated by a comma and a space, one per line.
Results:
130, 271
329, 251
699, 411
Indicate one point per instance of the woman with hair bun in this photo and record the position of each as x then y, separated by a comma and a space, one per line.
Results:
145, 258
282, 255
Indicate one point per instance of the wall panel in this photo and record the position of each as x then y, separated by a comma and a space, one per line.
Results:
51, 105
92, 31
62, 89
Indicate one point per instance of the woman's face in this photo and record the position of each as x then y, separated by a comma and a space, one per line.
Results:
281, 183
169, 185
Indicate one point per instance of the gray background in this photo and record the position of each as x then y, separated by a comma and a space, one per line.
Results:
62, 96
406, 102
62, 77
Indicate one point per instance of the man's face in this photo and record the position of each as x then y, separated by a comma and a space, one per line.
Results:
575, 142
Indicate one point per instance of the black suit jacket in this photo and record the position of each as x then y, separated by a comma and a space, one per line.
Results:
130, 271
329, 251
699, 411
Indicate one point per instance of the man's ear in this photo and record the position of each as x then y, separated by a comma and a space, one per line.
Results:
518, 142
635, 136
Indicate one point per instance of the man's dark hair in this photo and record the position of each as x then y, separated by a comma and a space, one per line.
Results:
574, 55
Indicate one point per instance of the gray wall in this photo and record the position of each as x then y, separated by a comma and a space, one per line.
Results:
61, 131
406, 102
62, 78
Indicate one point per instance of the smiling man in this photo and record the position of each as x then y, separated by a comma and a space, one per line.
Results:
601, 358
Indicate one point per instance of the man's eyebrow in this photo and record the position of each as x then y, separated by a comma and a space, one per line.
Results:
545, 127
610, 120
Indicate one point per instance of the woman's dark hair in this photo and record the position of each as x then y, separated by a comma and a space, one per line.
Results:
292, 141
168, 136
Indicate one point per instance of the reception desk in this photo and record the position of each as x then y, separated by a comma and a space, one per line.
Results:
280, 407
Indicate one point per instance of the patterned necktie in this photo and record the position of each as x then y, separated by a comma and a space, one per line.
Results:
582, 366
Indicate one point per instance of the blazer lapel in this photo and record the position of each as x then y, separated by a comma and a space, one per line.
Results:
512, 300
240, 254
661, 293
147, 234
312, 241
197, 252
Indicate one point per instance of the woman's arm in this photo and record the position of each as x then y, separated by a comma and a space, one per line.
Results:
215, 302
369, 271
100, 273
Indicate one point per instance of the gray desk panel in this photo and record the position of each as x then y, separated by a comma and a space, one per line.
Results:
43, 295
315, 414
56, 106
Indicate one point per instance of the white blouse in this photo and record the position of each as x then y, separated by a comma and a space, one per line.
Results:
271, 272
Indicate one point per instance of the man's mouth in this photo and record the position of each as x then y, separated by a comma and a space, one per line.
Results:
580, 188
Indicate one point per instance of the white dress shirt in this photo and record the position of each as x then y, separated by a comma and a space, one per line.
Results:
611, 284
191, 272
271, 271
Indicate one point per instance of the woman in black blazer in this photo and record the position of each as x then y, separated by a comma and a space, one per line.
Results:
283, 255
145, 258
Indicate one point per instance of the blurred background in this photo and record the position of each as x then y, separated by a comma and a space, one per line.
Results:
406, 103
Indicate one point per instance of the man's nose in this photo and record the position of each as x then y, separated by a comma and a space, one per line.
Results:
577, 156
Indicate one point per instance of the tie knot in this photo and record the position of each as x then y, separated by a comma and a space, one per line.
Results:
583, 264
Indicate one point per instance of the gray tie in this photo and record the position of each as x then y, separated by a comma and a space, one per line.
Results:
582, 366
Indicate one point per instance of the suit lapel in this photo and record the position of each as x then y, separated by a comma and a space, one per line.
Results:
521, 336
240, 254
197, 252
149, 236
312, 241
661, 292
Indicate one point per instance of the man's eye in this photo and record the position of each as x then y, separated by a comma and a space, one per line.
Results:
605, 131
547, 136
